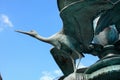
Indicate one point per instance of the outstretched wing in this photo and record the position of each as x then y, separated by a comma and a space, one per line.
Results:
62, 3
103, 22
64, 62
110, 17
78, 19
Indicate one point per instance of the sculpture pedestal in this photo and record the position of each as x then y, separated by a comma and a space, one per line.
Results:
104, 69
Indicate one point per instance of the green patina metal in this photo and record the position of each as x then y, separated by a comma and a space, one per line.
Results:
78, 35
112, 72
108, 67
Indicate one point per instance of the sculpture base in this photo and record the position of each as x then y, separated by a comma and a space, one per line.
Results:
104, 69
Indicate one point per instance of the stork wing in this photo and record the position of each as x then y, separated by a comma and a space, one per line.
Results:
64, 62
62, 3
78, 19
103, 22
110, 17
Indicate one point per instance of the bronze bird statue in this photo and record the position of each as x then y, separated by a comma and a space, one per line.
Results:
80, 24
64, 50
77, 32
62, 45
109, 17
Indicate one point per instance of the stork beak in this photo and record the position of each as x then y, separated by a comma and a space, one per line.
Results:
23, 32
30, 33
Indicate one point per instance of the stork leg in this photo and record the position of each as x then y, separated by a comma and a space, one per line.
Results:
74, 64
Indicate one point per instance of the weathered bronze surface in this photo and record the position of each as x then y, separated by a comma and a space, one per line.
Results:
78, 36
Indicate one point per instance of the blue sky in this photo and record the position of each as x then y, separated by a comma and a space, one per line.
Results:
23, 57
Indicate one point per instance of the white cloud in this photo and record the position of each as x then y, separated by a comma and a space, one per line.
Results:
57, 72
54, 75
46, 75
5, 22
81, 66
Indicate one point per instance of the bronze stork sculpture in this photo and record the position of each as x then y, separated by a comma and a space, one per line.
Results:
77, 34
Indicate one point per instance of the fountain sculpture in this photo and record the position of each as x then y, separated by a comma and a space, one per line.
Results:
79, 37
